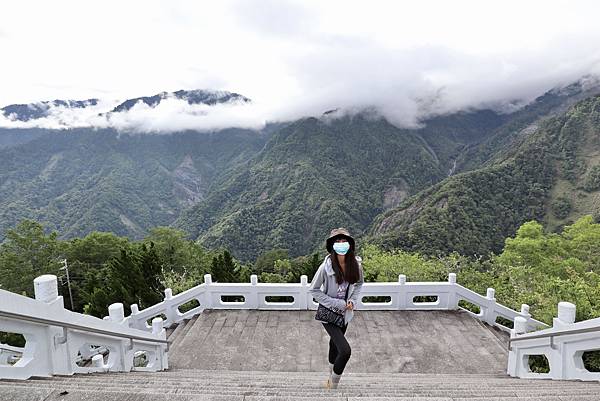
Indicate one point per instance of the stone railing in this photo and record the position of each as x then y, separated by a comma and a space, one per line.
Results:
51, 332
62, 342
401, 295
563, 346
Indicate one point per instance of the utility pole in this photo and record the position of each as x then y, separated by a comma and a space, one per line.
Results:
66, 267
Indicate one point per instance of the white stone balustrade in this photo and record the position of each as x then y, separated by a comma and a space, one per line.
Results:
563, 346
57, 338
46, 348
400, 295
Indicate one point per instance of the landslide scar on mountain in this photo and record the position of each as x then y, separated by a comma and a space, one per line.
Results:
394, 195
187, 183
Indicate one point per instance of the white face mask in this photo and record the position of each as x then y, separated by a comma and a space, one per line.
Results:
341, 247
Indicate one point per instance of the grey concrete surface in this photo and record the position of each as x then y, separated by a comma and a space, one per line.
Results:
381, 341
281, 356
199, 385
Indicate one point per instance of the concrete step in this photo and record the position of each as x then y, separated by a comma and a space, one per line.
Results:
317, 388
167, 394
310, 390
293, 386
283, 379
174, 334
102, 396
317, 381
77, 395
180, 334
282, 355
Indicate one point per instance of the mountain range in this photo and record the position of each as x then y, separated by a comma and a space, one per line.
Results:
462, 182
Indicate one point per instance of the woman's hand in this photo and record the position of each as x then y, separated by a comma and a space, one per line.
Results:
350, 305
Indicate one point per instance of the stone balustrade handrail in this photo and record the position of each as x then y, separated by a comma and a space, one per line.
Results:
56, 338
120, 333
563, 346
398, 296
66, 333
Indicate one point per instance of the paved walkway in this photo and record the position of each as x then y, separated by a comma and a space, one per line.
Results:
381, 341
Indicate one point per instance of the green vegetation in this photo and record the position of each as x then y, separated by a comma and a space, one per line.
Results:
314, 174
81, 180
473, 212
535, 267
561, 207
592, 179
249, 191
105, 268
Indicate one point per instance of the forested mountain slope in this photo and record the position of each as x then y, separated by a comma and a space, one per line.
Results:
319, 173
521, 123
553, 175
82, 180
286, 185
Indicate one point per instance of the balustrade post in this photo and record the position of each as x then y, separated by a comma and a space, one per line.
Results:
45, 288
206, 297
305, 299
452, 298
171, 311
402, 292
116, 312
520, 326
55, 360
525, 314
253, 301
161, 349
556, 357
566, 315
516, 366
135, 321
488, 313
157, 326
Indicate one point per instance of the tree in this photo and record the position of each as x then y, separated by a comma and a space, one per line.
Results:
87, 259
266, 261
132, 277
178, 254
223, 268
27, 253
561, 207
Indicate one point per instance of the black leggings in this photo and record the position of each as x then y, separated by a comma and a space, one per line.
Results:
339, 349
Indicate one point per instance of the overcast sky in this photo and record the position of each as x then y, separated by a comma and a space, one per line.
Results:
292, 58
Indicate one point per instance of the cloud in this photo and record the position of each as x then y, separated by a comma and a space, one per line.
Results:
170, 115
173, 115
61, 117
407, 60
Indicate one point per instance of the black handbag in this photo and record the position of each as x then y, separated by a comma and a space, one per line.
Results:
327, 315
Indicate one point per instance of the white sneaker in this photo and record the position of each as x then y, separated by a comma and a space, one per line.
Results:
335, 379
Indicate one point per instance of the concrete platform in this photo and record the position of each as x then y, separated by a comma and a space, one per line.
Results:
281, 355
381, 341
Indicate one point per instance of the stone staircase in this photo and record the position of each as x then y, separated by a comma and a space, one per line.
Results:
281, 355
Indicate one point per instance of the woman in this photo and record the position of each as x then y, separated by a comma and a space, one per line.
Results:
340, 271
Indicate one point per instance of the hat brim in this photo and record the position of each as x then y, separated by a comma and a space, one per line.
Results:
331, 240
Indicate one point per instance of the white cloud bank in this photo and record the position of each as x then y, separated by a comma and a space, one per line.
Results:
171, 115
293, 59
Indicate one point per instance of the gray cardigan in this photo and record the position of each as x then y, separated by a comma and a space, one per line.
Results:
325, 277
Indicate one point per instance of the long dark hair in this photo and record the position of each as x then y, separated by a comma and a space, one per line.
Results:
352, 271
